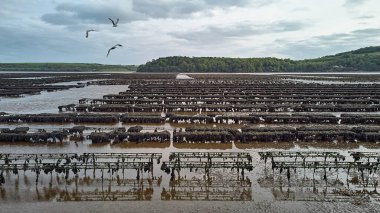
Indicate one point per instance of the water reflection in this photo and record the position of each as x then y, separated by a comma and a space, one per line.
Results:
222, 146
73, 177
331, 82
79, 189
215, 189
313, 176
48, 102
211, 176
157, 145
109, 190
203, 176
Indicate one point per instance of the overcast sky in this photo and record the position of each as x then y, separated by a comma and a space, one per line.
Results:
54, 30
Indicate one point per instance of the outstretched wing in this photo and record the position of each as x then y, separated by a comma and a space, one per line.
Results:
117, 21
112, 21
88, 31
109, 51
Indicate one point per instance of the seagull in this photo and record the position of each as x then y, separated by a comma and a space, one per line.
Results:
114, 47
114, 23
87, 31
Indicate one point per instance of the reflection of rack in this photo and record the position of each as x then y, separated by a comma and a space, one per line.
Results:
363, 183
326, 165
208, 188
313, 190
302, 182
85, 189
326, 195
213, 184
117, 190
228, 190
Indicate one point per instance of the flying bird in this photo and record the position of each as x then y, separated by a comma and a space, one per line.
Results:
114, 47
88, 31
114, 23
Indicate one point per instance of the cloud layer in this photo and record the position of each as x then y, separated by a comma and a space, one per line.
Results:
53, 31
352, 3
70, 13
216, 34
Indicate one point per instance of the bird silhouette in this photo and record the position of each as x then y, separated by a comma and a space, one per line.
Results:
88, 31
114, 47
114, 23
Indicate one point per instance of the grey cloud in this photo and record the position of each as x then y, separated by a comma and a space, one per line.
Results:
238, 3
72, 14
356, 36
213, 34
184, 8
96, 13
37, 45
229, 2
166, 9
330, 44
369, 32
59, 19
285, 26
352, 3
365, 17
333, 38
41, 44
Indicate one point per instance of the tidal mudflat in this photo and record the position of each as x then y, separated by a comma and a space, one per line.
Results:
158, 142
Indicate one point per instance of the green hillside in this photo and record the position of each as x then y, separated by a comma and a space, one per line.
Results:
364, 59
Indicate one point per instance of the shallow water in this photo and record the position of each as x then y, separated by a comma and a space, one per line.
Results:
332, 82
268, 193
69, 83
25, 78
48, 102
288, 73
264, 197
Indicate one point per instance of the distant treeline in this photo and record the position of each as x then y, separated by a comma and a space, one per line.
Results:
64, 67
364, 59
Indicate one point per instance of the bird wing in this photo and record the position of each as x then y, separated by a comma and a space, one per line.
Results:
112, 21
117, 21
109, 51
118, 45
87, 32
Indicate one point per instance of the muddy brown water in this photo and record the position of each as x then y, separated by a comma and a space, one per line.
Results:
269, 192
